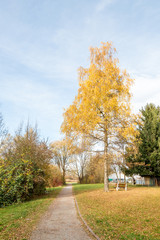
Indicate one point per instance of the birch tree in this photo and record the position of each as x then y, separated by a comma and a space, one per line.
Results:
101, 108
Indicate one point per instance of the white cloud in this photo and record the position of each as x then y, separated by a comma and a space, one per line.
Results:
24, 91
103, 4
146, 90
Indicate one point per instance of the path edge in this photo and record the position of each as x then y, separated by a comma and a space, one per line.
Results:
89, 229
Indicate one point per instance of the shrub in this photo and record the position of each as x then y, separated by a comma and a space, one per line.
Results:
24, 168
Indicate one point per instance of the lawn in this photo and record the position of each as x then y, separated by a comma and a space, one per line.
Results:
18, 220
132, 214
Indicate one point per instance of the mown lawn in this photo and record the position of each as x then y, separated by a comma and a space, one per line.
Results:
132, 214
17, 221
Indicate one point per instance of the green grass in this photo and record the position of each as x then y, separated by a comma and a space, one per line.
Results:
132, 214
17, 221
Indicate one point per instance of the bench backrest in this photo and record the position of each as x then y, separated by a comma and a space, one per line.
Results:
121, 185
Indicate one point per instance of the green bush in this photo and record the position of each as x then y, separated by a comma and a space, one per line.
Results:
20, 182
24, 165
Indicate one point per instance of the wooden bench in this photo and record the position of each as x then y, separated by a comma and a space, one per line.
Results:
121, 185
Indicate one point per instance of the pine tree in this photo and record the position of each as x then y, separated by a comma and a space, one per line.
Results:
147, 160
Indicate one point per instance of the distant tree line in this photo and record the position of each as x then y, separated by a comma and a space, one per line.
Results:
77, 159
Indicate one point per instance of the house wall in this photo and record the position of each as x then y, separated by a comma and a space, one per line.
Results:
150, 181
147, 181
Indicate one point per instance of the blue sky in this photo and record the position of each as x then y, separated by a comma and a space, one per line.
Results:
42, 44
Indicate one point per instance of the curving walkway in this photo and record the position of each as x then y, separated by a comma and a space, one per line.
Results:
60, 221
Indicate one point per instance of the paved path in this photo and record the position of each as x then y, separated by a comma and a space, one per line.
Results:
60, 221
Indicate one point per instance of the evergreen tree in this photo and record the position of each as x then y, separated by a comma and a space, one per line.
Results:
146, 161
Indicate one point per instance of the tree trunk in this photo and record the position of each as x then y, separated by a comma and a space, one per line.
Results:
63, 177
80, 179
106, 164
82, 176
124, 164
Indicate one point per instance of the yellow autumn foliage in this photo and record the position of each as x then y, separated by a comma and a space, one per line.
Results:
101, 108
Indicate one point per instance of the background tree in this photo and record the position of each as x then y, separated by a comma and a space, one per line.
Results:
61, 154
81, 150
146, 160
95, 169
101, 109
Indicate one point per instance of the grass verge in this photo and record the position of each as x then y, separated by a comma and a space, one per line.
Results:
17, 221
132, 214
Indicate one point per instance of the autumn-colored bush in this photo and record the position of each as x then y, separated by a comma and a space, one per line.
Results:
55, 176
95, 170
24, 167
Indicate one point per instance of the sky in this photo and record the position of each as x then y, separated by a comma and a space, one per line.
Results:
44, 42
